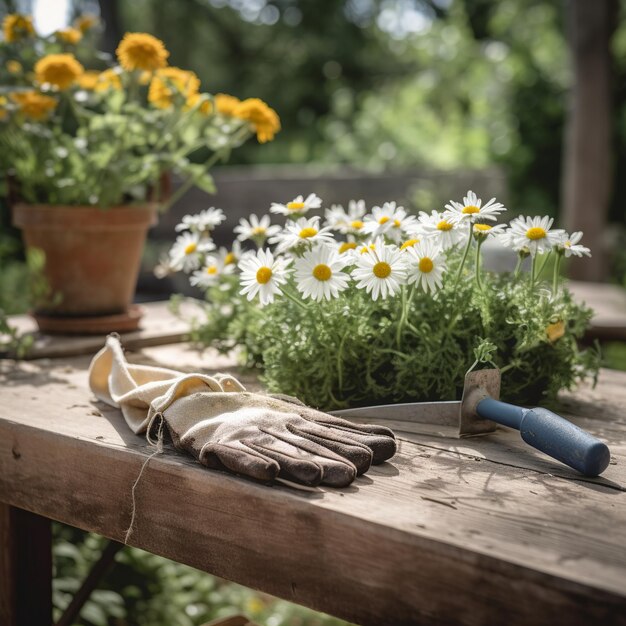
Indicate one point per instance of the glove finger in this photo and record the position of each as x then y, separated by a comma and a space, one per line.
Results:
358, 454
383, 447
333, 420
337, 471
295, 464
240, 460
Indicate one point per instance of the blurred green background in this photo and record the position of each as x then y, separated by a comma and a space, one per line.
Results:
374, 84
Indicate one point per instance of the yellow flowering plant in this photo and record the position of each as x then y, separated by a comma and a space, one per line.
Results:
76, 135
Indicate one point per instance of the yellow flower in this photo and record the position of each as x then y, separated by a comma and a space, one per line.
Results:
33, 104
59, 70
85, 22
140, 51
16, 27
69, 35
3, 108
14, 67
169, 82
89, 80
206, 106
226, 104
263, 119
555, 331
109, 79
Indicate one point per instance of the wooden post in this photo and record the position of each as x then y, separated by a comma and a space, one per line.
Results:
25, 568
587, 174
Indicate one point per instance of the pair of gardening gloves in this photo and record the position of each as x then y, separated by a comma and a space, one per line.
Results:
223, 426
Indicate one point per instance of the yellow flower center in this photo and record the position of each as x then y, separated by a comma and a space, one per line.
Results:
357, 224
470, 210
190, 248
382, 269
307, 232
263, 275
229, 259
444, 225
482, 227
536, 232
258, 230
347, 245
367, 248
322, 272
409, 244
383, 220
397, 223
426, 265
295, 206
212, 270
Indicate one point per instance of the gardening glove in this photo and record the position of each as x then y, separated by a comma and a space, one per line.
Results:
227, 428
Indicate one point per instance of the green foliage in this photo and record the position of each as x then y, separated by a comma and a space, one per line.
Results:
351, 351
111, 150
143, 589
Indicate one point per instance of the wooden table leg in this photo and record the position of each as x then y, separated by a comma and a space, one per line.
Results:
25, 568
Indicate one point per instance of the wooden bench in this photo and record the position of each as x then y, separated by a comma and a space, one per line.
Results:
474, 531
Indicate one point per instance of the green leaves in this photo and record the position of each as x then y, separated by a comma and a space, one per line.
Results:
113, 152
345, 352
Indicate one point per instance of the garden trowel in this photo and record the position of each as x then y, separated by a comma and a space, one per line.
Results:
480, 411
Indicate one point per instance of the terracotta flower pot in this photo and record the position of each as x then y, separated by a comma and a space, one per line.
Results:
92, 259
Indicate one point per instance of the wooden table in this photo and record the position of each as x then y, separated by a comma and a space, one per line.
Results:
474, 531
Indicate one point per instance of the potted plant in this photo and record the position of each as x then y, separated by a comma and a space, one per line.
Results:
361, 307
86, 152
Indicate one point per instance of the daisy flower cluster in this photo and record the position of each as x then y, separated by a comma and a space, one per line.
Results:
381, 305
315, 256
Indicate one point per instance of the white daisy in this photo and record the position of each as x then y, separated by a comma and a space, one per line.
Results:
443, 231
569, 245
426, 266
380, 271
409, 243
389, 220
211, 272
532, 234
482, 231
256, 229
301, 232
187, 252
472, 208
350, 222
262, 274
230, 258
346, 247
298, 206
202, 222
319, 273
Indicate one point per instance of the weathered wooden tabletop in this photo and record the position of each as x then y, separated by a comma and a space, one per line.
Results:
473, 531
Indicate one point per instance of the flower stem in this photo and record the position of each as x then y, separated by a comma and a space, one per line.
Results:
542, 266
188, 184
518, 267
478, 281
402, 317
533, 267
555, 274
294, 299
467, 248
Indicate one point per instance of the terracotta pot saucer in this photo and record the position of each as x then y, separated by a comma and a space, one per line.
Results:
90, 324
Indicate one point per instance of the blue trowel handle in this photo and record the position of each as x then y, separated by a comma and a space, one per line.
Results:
550, 433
